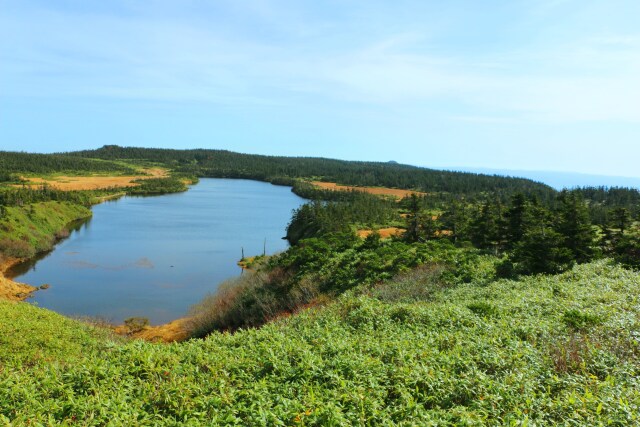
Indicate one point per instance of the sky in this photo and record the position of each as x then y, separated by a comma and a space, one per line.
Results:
519, 85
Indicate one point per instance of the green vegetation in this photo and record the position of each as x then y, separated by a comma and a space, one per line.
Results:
21, 196
35, 227
456, 322
318, 270
13, 164
283, 170
155, 186
505, 353
32, 219
356, 209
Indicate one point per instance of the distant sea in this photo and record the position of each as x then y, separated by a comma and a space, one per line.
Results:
559, 180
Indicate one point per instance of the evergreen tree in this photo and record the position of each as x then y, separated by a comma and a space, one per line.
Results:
574, 225
515, 219
541, 251
487, 229
626, 250
456, 219
412, 219
621, 218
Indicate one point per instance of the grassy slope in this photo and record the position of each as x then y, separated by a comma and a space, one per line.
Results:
38, 224
545, 349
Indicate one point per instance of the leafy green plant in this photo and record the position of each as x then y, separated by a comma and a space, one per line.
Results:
359, 360
581, 320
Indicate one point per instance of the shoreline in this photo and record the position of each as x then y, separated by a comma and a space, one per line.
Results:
9, 289
176, 330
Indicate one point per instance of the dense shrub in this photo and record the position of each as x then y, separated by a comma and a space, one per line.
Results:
357, 361
16, 248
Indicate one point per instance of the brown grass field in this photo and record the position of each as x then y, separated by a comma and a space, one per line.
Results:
176, 330
70, 183
385, 233
380, 191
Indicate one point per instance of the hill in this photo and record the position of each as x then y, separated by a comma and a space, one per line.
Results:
227, 164
459, 320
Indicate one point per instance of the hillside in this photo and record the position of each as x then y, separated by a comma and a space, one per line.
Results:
227, 164
543, 350
457, 321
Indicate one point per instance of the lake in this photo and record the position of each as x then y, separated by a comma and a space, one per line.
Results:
156, 256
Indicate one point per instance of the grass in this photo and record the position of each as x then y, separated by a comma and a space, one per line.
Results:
33, 228
499, 353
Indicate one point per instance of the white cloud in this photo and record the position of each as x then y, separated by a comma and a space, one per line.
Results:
92, 55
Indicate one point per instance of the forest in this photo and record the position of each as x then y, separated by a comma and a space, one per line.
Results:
226, 164
13, 164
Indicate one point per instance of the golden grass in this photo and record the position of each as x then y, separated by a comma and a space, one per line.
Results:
379, 191
176, 330
385, 233
72, 183
10, 290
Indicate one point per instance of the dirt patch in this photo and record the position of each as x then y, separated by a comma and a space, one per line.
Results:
176, 330
385, 233
379, 191
71, 183
10, 290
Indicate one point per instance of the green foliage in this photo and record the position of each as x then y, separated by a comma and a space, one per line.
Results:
34, 228
30, 163
154, 186
483, 309
574, 224
226, 164
25, 195
536, 238
605, 201
316, 219
318, 269
541, 251
358, 361
419, 224
414, 332
418, 284
580, 320
626, 250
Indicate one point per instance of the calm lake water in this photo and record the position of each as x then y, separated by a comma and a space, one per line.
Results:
156, 256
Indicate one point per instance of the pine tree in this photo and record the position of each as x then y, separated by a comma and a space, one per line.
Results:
574, 225
621, 219
487, 229
515, 219
456, 219
413, 219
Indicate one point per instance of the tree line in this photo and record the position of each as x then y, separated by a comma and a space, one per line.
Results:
533, 237
353, 208
14, 164
282, 170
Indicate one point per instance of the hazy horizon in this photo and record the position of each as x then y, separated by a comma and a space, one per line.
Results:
545, 85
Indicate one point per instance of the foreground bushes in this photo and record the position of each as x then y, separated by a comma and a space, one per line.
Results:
504, 353
319, 269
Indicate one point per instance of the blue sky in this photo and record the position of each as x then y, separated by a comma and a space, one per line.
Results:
539, 84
